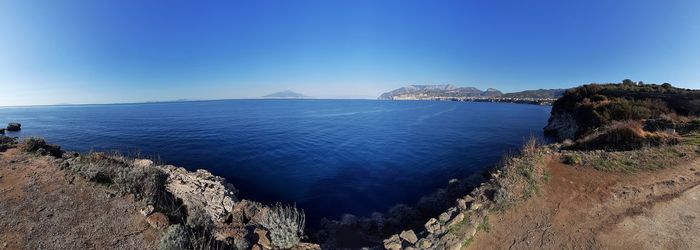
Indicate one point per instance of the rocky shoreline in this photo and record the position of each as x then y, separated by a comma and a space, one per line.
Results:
518, 178
175, 197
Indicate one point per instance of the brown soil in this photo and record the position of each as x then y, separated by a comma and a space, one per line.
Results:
43, 207
582, 208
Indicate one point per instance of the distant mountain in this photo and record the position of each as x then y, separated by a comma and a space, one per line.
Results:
437, 91
537, 94
285, 94
492, 93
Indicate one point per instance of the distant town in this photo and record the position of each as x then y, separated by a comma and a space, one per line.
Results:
471, 94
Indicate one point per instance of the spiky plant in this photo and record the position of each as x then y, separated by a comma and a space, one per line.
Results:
285, 224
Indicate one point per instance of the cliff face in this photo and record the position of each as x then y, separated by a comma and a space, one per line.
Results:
561, 125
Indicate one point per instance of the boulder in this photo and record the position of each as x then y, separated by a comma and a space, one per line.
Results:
432, 226
142, 163
462, 204
201, 190
409, 236
14, 126
424, 243
2, 131
262, 239
147, 210
447, 215
393, 243
158, 221
456, 220
306, 246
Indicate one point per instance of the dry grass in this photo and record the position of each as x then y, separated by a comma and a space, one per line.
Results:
526, 171
649, 158
628, 135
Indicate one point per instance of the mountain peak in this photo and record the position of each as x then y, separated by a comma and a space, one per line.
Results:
285, 94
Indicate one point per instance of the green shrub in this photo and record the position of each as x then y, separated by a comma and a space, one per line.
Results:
198, 219
118, 172
285, 224
572, 159
175, 237
7, 142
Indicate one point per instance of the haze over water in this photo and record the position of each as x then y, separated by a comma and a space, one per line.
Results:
330, 157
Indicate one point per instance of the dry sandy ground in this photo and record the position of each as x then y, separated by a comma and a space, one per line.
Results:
42, 207
582, 208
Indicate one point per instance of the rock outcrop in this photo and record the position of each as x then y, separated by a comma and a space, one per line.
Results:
562, 125
201, 190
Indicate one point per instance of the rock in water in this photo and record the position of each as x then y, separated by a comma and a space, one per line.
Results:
2, 131
14, 126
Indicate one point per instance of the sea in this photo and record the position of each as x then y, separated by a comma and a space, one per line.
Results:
329, 157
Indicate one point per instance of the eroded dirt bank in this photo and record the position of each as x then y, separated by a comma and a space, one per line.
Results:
581, 207
42, 207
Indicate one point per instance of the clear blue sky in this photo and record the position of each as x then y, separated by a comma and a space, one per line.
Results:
95, 51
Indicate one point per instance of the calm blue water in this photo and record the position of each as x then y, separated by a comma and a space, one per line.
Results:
328, 156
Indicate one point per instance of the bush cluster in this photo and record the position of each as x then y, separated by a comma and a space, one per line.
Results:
599, 105
285, 224
7, 142
175, 237
39, 146
118, 172
627, 135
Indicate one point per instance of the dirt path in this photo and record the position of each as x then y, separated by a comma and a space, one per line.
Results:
41, 207
582, 208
